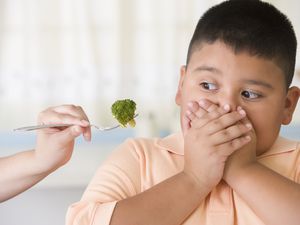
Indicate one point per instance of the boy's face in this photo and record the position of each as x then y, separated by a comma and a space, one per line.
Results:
219, 75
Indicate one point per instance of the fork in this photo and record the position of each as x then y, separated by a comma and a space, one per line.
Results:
61, 125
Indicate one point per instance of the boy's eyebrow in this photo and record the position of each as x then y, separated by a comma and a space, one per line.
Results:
207, 68
248, 81
259, 83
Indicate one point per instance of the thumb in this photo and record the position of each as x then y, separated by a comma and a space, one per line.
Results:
67, 135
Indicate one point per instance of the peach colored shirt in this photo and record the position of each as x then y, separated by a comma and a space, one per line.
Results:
139, 164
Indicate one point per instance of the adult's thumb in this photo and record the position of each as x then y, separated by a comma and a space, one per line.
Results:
68, 134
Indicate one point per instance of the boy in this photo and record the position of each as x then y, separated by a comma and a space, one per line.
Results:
228, 166
54, 149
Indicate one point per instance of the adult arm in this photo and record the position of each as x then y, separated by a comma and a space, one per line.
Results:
54, 148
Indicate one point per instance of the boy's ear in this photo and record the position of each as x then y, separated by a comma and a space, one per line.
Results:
180, 84
290, 104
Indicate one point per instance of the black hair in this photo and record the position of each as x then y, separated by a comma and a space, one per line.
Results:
249, 25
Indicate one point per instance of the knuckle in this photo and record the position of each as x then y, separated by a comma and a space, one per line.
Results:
214, 114
233, 116
221, 110
71, 106
191, 118
236, 143
225, 133
79, 108
242, 128
218, 123
212, 107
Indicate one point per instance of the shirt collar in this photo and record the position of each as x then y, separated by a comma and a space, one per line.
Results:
175, 143
281, 145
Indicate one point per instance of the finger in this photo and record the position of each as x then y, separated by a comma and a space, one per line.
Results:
207, 105
230, 133
68, 114
193, 107
226, 149
64, 108
196, 110
245, 120
51, 117
87, 134
66, 136
208, 117
226, 120
189, 115
71, 109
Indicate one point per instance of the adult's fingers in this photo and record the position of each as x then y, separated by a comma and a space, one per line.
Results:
68, 114
71, 109
51, 117
67, 135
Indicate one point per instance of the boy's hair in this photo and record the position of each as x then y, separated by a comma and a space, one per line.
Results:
252, 26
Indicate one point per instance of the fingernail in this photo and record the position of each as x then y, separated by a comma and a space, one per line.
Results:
86, 137
226, 107
248, 138
248, 125
242, 112
85, 123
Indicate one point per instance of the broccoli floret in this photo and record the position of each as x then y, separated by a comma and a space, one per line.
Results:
124, 111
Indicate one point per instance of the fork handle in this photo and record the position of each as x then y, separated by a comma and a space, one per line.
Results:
43, 126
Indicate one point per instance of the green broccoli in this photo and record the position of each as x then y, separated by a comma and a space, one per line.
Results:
124, 112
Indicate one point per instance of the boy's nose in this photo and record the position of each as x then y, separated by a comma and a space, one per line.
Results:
230, 99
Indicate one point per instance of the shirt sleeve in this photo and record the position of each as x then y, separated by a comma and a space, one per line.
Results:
118, 178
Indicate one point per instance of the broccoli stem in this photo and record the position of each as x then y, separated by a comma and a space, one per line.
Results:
132, 123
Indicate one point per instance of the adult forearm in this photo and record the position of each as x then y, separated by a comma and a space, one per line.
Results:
274, 198
18, 173
168, 203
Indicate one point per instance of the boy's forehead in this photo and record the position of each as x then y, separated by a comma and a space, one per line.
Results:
219, 56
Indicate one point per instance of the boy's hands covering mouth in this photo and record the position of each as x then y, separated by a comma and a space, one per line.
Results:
212, 136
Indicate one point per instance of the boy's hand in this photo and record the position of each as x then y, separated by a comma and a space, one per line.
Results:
246, 155
210, 137
242, 158
54, 147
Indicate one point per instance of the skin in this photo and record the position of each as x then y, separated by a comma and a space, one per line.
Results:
257, 86
224, 128
230, 81
54, 149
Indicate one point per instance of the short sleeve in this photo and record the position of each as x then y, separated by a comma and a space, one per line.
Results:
118, 178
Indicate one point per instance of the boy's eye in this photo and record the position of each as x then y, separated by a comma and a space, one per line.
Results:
250, 95
208, 86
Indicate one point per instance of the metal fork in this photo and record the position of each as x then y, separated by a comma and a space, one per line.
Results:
60, 125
